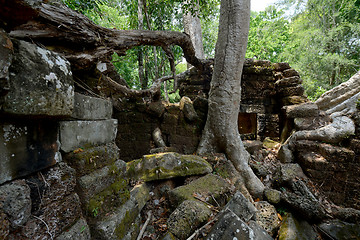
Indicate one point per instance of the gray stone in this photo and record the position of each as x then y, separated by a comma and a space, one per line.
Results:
88, 160
186, 106
272, 196
290, 171
27, 147
79, 231
312, 123
230, 226
339, 230
242, 207
118, 224
259, 232
187, 217
95, 182
341, 128
169, 236
41, 83
76, 134
162, 150
293, 228
267, 217
91, 108
167, 165
288, 82
285, 155
207, 188
302, 110
252, 146
15, 202
6, 53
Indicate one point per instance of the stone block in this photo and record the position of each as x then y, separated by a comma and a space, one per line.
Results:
15, 202
79, 231
302, 110
95, 182
41, 83
6, 53
187, 217
91, 108
281, 66
88, 160
27, 147
167, 165
290, 171
242, 207
76, 134
267, 217
294, 228
291, 91
339, 230
288, 82
290, 73
118, 224
209, 187
291, 100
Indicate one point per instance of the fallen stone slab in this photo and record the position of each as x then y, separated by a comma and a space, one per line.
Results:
187, 217
79, 231
294, 228
339, 230
267, 217
290, 171
230, 226
91, 108
302, 110
167, 165
95, 182
118, 224
77, 134
206, 188
242, 207
41, 82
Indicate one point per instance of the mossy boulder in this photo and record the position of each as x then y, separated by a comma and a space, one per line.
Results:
210, 188
189, 216
166, 165
294, 228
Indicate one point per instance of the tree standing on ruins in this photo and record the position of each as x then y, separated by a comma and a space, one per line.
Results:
221, 131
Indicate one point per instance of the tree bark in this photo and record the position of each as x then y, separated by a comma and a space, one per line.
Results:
221, 129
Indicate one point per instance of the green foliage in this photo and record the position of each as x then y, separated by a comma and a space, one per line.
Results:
268, 35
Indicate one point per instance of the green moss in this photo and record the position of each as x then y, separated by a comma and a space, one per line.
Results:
109, 199
124, 226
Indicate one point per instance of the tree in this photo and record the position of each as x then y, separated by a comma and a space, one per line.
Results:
220, 133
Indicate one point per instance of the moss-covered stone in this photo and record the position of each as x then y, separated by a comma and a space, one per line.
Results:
210, 188
167, 165
87, 160
293, 228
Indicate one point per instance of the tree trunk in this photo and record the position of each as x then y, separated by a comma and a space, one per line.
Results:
192, 27
221, 129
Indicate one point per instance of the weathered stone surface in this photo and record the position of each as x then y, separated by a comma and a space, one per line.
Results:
285, 155
294, 228
290, 73
290, 171
267, 217
340, 230
288, 82
6, 53
4, 224
169, 236
27, 147
252, 146
259, 232
312, 123
341, 127
41, 82
156, 109
15, 202
167, 165
349, 215
76, 134
291, 100
91, 108
291, 91
52, 220
301, 110
207, 188
187, 217
95, 182
79, 231
117, 225
186, 106
162, 150
281, 66
272, 196
88, 160
242, 207
231, 226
